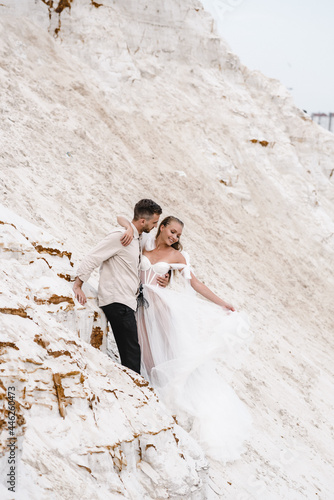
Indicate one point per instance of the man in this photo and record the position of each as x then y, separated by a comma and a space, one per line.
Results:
119, 280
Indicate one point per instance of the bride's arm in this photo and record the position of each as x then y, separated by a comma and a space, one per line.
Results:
199, 287
127, 236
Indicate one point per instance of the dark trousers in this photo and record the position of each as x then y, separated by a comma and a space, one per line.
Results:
124, 326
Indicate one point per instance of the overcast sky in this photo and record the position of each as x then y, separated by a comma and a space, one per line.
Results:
291, 40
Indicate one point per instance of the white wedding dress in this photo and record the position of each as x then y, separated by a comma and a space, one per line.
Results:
187, 342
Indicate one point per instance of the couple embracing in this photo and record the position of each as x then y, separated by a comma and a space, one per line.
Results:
179, 342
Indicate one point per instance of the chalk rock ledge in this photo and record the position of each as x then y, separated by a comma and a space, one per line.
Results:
85, 427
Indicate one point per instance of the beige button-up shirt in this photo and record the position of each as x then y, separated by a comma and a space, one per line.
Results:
119, 269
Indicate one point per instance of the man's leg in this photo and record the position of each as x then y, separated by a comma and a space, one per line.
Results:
123, 323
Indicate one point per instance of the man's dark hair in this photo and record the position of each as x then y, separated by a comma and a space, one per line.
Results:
145, 209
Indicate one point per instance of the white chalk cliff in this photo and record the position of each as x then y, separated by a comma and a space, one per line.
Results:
82, 422
103, 103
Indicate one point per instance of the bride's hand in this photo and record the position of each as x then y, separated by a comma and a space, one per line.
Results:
127, 237
228, 307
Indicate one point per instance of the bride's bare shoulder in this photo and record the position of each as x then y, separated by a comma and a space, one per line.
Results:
178, 258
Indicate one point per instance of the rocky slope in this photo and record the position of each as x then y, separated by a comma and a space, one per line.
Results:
84, 426
105, 104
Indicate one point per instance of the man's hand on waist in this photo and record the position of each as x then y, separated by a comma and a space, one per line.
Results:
163, 280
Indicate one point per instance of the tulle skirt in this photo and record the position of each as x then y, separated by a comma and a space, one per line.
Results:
184, 340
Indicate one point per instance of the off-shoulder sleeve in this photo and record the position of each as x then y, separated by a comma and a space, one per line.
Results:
147, 242
186, 272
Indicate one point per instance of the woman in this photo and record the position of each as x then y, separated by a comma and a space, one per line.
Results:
186, 344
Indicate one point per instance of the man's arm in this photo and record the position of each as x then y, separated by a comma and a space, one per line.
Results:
127, 236
107, 248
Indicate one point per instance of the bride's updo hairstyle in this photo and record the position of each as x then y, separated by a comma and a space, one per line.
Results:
167, 220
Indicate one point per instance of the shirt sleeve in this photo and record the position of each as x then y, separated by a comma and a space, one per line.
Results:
107, 248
